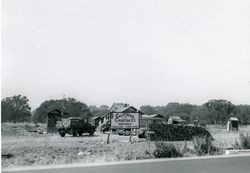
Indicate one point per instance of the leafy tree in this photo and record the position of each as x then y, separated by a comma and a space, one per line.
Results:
197, 113
149, 110
243, 113
71, 106
93, 109
218, 111
172, 109
117, 106
96, 112
40, 113
161, 110
104, 108
15, 109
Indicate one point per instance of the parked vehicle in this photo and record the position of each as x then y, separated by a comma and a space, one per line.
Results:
141, 132
199, 123
105, 127
74, 126
125, 132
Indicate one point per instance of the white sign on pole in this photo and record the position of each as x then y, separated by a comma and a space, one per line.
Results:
125, 121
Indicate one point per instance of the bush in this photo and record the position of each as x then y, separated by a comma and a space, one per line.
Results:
165, 150
28, 127
244, 142
203, 145
169, 132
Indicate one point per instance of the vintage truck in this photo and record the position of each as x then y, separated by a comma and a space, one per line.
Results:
74, 126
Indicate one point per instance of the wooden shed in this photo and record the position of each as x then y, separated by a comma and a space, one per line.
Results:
96, 120
53, 117
149, 119
176, 120
233, 124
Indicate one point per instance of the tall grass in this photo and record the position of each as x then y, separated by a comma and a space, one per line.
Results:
226, 139
166, 150
43, 149
20, 129
203, 145
244, 142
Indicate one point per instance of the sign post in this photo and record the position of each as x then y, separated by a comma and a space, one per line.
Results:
108, 138
130, 137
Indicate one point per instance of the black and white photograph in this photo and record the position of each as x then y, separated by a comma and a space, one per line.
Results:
107, 86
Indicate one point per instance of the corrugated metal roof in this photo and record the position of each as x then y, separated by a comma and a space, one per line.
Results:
176, 118
152, 116
233, 119
122, 108
104, 115
95, 118
119, 108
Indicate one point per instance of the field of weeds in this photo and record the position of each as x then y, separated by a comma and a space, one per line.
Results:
21, 129
24, 146
224, 138
56, 150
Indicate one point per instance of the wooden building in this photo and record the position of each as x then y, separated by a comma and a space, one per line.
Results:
53, 117
233, 124
176, 120
149, 119
121, 109
96, 120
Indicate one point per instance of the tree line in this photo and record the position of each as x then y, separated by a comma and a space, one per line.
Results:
211, 112
17, 109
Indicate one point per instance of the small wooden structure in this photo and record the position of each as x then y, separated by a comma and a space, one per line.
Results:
233, 124
149, 119
53, 117
176, 120
96, 120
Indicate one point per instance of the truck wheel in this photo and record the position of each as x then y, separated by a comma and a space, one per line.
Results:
127, 133
142, 135
62, 134
74, 133
91, 133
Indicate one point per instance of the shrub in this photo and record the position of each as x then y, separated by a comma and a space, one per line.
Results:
165, 150
244, 142
169, 132
203, 145
28, 127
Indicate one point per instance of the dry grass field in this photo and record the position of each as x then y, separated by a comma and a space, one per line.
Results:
32, 149
224, 138
29, 148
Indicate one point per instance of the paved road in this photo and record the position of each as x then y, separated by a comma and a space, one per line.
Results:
216, 164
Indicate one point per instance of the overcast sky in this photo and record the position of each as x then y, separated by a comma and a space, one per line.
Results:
138, 52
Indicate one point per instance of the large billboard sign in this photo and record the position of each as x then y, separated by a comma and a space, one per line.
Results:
125, 121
